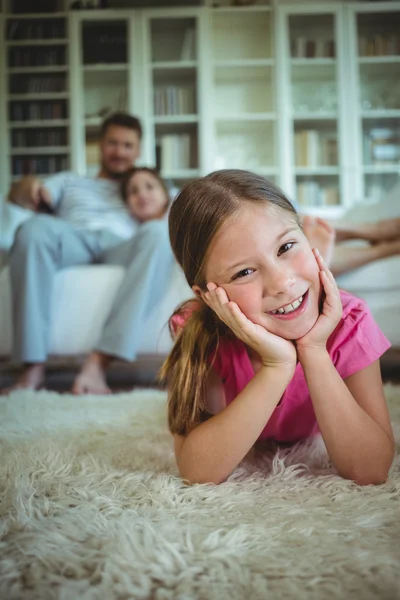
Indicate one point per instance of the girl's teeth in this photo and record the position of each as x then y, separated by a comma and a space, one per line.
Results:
289, 308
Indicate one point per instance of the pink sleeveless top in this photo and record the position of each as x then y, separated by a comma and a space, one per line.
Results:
356, 342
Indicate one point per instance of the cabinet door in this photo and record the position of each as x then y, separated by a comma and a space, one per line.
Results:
376, 47
37, 76
312, 113
171, 64
101, 79
243, 107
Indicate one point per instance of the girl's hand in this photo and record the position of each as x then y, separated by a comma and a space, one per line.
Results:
331, 310
272, 349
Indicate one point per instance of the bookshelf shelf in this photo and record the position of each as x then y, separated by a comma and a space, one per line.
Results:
174, 64
245, 62
242, 9
41, 42
44, 69
370, 60
317, 171
312, 116
312, 61
377, 169
100, 68
175, 119
380, 114
38, 123
36, 16
180, 174
40, 150
43, 96
270, 116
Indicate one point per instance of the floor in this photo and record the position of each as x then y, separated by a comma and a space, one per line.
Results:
143, 373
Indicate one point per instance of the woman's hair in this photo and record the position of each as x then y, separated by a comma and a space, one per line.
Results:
132, 171
196, 216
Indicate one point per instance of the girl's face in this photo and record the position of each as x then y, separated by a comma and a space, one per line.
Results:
265, 264
145, 197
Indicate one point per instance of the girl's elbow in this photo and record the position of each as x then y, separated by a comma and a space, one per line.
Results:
191, 476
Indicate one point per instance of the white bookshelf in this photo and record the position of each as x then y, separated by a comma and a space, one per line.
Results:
171, 65
374, 34
243, 76
228, 86
35, 83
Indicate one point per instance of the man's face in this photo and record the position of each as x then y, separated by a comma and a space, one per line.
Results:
120, 148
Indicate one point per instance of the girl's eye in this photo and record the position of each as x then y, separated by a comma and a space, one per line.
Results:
285, 247
242, 273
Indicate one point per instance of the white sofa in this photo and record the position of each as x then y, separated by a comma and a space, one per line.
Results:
82, 295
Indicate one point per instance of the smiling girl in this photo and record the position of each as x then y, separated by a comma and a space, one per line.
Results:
271, 348
145, 194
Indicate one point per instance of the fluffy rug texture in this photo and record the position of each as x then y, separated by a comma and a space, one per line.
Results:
92, 508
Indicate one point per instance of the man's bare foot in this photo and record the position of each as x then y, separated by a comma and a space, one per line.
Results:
320, 235
92, 377
32, 378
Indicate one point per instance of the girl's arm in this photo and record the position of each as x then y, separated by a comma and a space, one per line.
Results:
352, 416
214, 448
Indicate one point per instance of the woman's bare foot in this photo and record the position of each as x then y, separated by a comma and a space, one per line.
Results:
32, 378
380, 231
92, 377
347, 258
320, 235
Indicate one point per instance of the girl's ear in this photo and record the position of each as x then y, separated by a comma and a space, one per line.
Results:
199, 293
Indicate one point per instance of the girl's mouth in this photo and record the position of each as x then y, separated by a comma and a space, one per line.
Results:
292, 311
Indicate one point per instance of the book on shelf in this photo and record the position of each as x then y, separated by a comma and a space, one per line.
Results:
383, 146
315, 148
174, 100
379, 45
302, 47
188, 44
311, 193
175, 152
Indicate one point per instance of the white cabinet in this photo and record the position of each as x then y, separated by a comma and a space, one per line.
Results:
374, 34
316, 162
306, 94
173, 120
242, 99
101, 47
35, 91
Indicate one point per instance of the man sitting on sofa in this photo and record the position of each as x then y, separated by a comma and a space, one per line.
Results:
90, 224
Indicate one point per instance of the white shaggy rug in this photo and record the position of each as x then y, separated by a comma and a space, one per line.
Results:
92, 508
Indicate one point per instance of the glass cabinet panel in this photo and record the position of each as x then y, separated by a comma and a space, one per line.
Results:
378, 66
313, 81
104, 61
174, 80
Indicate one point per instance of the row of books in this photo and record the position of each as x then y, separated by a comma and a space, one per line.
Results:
379, 45
174, 100
43, 164
36, 57
38, 111
175, 150
39, 137
301, 47
20, 84
315, 148
35, 29
311, 193
382, 146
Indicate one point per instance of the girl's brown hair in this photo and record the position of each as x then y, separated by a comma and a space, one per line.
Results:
132, 171
197, 214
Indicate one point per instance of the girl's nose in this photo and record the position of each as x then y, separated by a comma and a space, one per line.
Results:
279, 282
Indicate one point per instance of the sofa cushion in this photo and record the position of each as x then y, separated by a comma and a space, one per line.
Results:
81, 301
